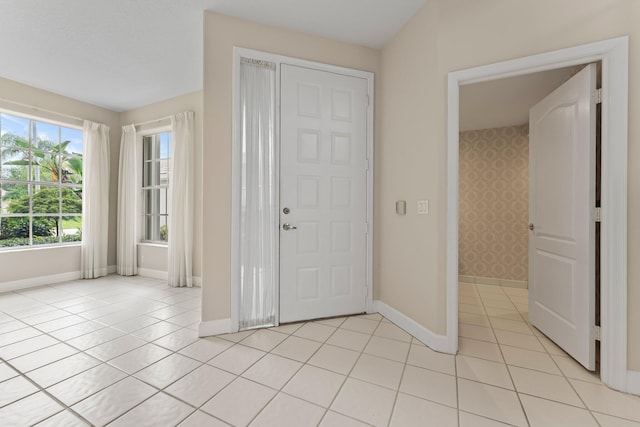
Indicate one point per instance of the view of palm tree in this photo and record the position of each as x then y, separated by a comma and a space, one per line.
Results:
40, 183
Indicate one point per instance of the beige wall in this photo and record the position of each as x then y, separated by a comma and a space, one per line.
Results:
154, 257
449, 35
24, 264
494, 203
221, 34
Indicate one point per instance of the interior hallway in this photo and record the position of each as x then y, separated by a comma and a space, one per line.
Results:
124, 351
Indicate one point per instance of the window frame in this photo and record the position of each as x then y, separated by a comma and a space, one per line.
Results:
32, 184
141, 135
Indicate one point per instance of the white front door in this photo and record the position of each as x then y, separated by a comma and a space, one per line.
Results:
561, 212
323, 194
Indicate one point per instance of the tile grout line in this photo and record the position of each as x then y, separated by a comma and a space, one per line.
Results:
43, 390
397, 392
524, 412
326, 410
347, 376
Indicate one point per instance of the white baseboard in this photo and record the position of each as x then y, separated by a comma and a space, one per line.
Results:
494, 281
162, 275
214, 327
154, 274
39, 281
633, 382
434, 341
111, 269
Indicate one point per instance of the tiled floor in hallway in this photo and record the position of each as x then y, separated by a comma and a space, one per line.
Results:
125, 352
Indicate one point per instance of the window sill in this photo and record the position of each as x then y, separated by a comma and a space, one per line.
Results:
38, 248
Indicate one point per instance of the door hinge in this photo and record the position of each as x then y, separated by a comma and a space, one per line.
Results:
598, 214
368, 100
366, 228
596, 333
599, 96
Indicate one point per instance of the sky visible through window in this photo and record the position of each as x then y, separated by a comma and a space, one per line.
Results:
20, 127
165, 139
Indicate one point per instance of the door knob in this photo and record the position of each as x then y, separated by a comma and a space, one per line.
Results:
287, 227
531, 226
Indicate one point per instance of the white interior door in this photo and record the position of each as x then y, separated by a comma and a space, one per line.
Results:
323, 194
561, 210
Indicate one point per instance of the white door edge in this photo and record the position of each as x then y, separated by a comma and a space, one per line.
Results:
239, 53
614, 56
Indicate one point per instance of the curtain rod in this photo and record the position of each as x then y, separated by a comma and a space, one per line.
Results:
44, 110
162, 119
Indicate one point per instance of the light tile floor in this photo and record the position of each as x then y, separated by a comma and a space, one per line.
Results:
125, 352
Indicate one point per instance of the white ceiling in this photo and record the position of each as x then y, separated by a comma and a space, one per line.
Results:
506, 102
123, 54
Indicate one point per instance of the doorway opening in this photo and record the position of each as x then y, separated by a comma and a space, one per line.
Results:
496, 219
613, 54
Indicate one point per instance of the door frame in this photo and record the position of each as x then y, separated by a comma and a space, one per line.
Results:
239, 53
614, 56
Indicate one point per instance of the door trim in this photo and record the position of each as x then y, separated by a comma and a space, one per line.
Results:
614, 56
239, 53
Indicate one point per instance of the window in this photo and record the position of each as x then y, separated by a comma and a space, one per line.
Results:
155, 181
40, 183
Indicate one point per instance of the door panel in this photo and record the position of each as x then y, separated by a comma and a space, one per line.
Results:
323, 184
561, 207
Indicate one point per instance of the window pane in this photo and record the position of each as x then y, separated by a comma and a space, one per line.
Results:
46, 199
146, 174
71, 228
72, 170
11, 141
152, 204
152, 227
164, 231
12, 128
45, 230
45, 166
15, 164
164, 172
151, 174
71, 200
14, 231
14, 198
47, 137
146, 148
165, 145
164, 203
71, 141
151, 150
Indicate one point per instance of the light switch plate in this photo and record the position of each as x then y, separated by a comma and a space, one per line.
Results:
423, 207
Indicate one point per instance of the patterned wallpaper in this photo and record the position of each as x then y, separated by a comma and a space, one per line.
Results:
494, 203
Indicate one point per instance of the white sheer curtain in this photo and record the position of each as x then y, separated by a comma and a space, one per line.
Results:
128, 196
180, 238
259, 221
95, 200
